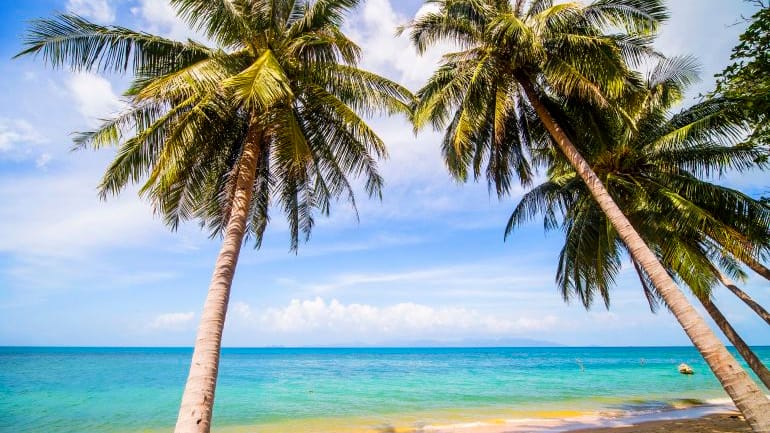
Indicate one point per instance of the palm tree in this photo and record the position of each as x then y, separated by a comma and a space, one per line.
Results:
491, 97
270, 117
652, 172
731, 224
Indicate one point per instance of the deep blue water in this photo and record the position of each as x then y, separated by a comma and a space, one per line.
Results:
59, 390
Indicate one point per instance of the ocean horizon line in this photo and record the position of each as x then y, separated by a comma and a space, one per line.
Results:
558, 346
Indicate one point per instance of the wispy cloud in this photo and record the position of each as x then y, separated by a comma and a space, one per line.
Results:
98, 10
366, 244
15, 132
59, 214
172, 321
501, 278
94, 97
20, 141
374, 29
160, 18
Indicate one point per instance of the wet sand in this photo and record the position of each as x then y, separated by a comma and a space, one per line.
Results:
716, 423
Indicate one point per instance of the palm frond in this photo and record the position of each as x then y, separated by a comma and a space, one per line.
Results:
262, 84
73, 42
223, 21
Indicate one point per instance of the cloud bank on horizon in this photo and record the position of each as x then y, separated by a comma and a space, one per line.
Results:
428, 262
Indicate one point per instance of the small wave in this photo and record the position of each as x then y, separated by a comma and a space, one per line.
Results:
644, 407
723, 401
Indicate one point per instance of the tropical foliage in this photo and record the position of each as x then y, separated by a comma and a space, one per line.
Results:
655, 169
283, 66
477, 94
748, 77
496, 98
655, 172
269, 118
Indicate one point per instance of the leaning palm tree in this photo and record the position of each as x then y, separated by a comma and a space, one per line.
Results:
268, 118
491, 98
733, 226
652, 171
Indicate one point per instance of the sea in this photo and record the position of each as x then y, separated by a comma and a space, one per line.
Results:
325, 390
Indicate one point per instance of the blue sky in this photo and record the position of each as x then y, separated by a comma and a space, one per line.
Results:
426, 263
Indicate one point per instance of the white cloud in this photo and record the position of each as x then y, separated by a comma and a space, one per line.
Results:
20, 141
401, 321
94, 97
60, 215
242, 310
43, 160
161, 18
172, 321
15, 132
374, 29
99, 10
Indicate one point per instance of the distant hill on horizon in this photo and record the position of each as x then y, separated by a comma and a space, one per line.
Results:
466, 342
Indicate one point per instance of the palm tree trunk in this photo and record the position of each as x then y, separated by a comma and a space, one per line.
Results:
746, 395
761, 312
751, 358
198, 398
757, 267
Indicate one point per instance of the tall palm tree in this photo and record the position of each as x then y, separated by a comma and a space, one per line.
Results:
653, 173
491, 97
268, 118
732, 225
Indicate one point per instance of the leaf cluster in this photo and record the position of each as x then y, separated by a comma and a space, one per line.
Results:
655, 170
576, 50
748, 77
282, 71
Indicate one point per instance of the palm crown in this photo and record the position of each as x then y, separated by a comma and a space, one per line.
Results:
283, 71
478, 93
655, 172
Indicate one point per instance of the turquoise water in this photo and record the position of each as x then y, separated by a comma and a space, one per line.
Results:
60, 390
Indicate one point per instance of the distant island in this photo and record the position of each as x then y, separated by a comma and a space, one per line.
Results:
465, 342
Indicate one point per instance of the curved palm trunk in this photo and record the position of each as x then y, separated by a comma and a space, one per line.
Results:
757, 267
742, 390
751, 358
198, 398
761, 312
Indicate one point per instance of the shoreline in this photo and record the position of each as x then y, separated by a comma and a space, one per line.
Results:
731, 422
691, 419
711, 417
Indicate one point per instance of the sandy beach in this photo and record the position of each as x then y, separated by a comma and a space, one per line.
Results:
674, 422
716, 423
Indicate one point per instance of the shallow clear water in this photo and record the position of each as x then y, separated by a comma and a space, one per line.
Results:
61, 390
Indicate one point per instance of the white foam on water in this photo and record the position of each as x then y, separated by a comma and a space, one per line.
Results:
533, 425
